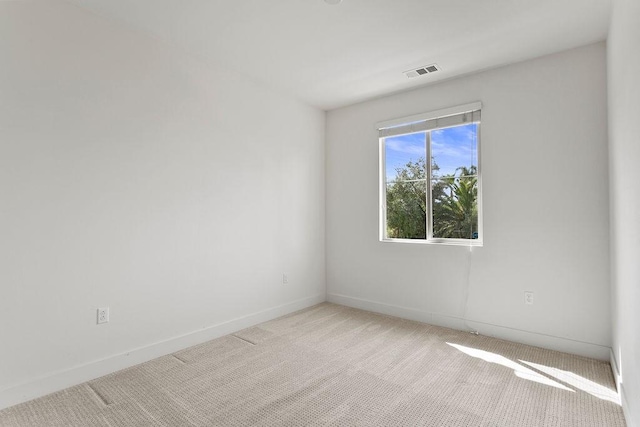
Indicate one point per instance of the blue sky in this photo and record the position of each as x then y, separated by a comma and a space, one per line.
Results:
451, 147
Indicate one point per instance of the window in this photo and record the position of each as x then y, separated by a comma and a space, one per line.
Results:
434, 201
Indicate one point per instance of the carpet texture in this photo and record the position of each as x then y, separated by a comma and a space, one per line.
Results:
331, 365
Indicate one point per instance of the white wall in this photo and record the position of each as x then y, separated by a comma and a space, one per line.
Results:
545, 195
135, 177
624, 149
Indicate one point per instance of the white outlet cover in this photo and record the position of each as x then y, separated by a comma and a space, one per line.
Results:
528, 298
103, 315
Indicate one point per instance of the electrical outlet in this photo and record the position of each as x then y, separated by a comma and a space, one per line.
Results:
103, 315
528, 297
285, 279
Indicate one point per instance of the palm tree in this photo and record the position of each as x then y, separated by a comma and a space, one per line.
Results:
455, 210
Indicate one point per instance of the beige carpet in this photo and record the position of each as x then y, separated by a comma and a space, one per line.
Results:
335, 366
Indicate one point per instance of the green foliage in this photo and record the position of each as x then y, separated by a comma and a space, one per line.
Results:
455, 208
407, 202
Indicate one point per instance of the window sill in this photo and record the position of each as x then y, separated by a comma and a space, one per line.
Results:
446, 242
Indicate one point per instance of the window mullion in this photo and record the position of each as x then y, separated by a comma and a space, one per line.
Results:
428, 173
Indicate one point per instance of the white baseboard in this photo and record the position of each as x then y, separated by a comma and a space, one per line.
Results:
625, 408
585, 349
95, 369
617, 376
614, 370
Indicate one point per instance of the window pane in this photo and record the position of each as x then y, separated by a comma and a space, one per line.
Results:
453, 148
455, 206
406, 186
407, 210
402, 152
454, 182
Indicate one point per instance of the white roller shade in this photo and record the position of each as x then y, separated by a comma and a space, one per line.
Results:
454, 116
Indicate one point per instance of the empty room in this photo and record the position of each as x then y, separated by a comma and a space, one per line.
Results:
319, 213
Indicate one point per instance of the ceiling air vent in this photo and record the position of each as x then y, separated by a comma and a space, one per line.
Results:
422, 70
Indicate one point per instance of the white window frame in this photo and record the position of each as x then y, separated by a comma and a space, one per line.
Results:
420, 123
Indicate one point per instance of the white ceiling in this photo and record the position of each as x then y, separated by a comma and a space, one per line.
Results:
331, 56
